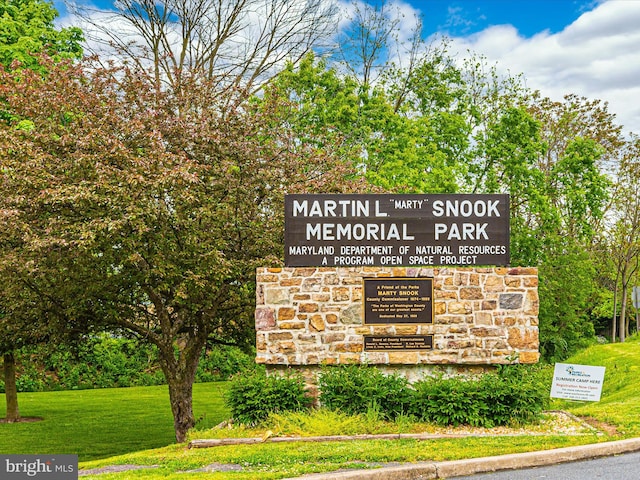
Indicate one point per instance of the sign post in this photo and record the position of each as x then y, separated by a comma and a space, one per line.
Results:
413, 280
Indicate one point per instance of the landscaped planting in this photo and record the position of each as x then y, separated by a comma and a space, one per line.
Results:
513, 394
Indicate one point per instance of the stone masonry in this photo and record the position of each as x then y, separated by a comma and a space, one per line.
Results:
309, 317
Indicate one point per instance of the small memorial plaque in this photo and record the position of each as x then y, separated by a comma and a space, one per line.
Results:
383, 343
398, 300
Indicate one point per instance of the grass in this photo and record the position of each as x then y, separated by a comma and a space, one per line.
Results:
105, 422
134, 426
620, 403
274, 461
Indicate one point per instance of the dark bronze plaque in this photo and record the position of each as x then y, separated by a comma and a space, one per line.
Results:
398, 300
383, 343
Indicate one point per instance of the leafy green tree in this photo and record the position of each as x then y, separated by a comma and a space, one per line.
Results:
149, 211
512, 145
414, 140
27, 30
623, 242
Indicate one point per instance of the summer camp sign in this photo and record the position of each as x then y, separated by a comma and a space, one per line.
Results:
396, 230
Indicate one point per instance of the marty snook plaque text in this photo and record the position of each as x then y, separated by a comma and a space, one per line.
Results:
398, 300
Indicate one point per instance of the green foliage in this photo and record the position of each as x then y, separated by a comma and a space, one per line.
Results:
107, 361
357, 389
514, 394
449, 401
27, 29
100, 361
567, 285
221, 362
583, 186
253, 395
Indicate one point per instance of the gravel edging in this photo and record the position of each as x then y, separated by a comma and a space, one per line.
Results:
114, 469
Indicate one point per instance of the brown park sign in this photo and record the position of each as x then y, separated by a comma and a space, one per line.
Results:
396, 230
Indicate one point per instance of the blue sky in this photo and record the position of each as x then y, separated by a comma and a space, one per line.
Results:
465, 17
529, 17
590, 48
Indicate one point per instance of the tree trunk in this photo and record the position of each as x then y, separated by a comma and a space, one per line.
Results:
623, 312
179, 369
10, 388
181, 398
615, 308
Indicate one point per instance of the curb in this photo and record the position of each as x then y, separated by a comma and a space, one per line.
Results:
457, 468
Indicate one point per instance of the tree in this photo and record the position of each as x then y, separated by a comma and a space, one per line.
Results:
412, 137
624, 243
26, 31
149, 211
583, 147
374, 41
236, 43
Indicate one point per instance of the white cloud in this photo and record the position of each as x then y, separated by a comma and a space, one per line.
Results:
597, 56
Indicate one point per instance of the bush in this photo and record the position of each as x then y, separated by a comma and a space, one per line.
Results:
357, 389
222, 362
514, 394
449, 401
111, 361
253, 396
517, 393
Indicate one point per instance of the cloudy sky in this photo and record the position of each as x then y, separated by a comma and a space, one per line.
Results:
585, 47
590, 48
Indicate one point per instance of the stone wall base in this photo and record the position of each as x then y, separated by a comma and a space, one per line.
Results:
307, 317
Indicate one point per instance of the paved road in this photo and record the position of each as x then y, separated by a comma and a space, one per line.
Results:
619, 467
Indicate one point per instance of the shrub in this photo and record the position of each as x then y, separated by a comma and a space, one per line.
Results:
357, 389
521, 393
222, 362
448, 401
111, 361
253, 396
513, 394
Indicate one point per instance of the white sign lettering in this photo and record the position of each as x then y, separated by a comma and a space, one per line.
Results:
396, 230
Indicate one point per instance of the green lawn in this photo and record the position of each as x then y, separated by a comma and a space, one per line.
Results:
620, 401
134, 426
106, 422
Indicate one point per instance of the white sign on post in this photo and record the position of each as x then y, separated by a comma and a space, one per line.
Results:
577, 382
635, 297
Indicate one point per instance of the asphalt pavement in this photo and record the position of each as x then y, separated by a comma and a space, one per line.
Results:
617, 467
